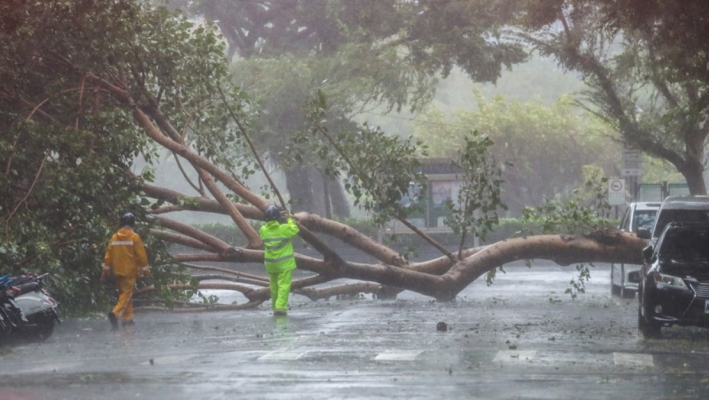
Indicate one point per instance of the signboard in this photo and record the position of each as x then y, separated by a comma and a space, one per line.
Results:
678, 189
616, 192
632, 162
626, 172
650, 192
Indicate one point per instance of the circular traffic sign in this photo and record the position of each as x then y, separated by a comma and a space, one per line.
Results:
616, 185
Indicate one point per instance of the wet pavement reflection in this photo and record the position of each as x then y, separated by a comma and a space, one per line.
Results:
520, 338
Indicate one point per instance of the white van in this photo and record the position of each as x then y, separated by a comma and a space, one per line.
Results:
625, 277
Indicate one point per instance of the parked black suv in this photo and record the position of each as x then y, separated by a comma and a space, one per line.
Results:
677, 209
674, 284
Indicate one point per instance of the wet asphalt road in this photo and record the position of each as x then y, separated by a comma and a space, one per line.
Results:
522, 338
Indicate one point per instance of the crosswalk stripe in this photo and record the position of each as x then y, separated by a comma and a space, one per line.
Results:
174, 359
514, 356
502, 356
633, 359
398, 355
281, 355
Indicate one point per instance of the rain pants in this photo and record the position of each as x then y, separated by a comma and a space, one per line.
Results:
279, 259
125, 260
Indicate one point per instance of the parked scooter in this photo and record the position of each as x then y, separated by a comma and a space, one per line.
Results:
11, 316
5, 326
37, 307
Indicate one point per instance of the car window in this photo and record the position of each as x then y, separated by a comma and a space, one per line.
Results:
667, 216
643, 219
685, 245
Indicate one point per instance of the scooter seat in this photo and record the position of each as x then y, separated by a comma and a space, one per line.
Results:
27, 287
21, 280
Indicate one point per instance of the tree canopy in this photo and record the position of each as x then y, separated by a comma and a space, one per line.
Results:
385, 54
436, 35
68, 144
646, 66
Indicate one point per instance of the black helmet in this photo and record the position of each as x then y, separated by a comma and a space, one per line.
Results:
128, 219
272, 213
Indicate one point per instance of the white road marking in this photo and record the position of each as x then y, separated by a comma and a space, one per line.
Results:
633, 359
23, 369
514, 356
169, 359
281, 355
398, 355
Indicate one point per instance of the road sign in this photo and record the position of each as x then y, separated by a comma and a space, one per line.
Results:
632, 164
632, 156
616, 192
632, 161
626, 172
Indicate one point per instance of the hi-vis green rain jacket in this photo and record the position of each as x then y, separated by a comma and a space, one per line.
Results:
278, 256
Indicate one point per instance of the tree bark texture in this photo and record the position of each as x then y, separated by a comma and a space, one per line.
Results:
440, 278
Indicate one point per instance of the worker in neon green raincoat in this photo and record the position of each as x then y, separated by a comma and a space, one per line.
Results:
279, 259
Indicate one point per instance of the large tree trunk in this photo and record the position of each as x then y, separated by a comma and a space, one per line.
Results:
300, 189
338, 199
695, 181
326, 196
693, 171
441, 278
309, 193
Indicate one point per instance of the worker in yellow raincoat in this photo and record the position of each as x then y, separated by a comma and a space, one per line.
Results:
125, 261
279, 259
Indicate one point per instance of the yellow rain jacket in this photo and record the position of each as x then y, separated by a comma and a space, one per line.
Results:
278, 255
126, 255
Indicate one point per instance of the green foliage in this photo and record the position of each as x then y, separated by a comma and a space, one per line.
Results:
656, 170
377, 169
479, 195
68, 146
586, 212
578, 285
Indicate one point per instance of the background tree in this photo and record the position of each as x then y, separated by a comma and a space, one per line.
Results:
547, 146
646, 65
360, 57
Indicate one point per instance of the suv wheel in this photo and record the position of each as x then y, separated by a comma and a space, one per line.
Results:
648, 328
615, 289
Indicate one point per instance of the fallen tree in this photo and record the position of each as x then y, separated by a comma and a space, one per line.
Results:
442, 278
162, 85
